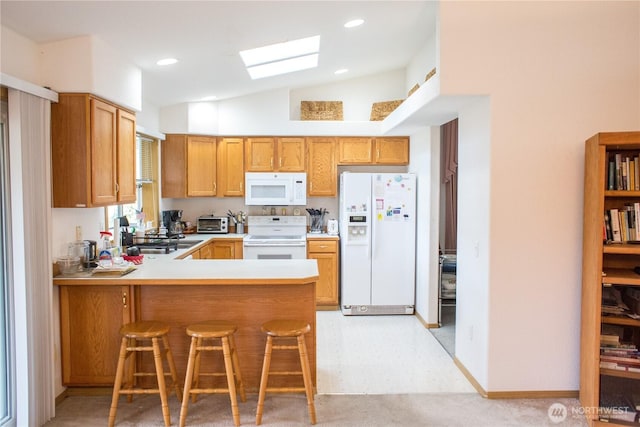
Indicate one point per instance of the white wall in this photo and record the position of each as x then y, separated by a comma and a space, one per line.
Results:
19, 56
357, 95
425, 163
422, 63
555, 73
87, 64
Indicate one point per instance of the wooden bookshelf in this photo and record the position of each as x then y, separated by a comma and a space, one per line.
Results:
606, 264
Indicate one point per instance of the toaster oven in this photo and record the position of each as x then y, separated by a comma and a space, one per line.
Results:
212, 224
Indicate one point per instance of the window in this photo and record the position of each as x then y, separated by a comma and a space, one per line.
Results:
146, 206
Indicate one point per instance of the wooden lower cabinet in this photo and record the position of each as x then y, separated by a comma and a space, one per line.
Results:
325, 251
90, 321
221, 249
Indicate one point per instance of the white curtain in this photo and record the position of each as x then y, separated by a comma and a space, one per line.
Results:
29, 165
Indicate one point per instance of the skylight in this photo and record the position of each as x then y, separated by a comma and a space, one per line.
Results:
282, 58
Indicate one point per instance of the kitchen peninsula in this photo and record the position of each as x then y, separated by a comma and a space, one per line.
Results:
181, 292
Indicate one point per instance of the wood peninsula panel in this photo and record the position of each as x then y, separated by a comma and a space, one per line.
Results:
248, 307
90, 320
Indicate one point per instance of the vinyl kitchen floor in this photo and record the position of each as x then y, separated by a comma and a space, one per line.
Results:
382, 355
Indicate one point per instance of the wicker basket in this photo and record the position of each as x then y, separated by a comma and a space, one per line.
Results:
430, 74
380, 110
413, 89
320, 110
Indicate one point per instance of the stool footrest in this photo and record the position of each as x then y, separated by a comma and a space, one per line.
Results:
285, 373
209, 348
208, 390
285, 389
284, 347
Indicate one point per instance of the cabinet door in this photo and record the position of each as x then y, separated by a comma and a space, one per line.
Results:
259, 154
174, 166
231, 167
321, 167
206, 252
326, 254
291, 154
126, 143
224, 249
201, 166
355, 151
90, 321
103, 153
392, 151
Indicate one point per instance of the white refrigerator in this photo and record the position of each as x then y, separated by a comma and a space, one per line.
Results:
377, 243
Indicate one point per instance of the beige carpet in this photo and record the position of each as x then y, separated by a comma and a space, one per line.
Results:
441, 409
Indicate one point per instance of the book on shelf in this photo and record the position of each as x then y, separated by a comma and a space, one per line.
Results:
623, 172
630, 361
617, 367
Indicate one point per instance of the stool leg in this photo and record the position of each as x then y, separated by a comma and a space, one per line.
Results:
196, 372
236, 368
231, 381
162, 388
263, 379
188, 381
306, 375
118, 382
172, 367
130, 368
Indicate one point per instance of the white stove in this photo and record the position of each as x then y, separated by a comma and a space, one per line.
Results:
276, 237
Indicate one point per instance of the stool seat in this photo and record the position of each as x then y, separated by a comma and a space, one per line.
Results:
144, 329
211, 330
286, 329
126, 382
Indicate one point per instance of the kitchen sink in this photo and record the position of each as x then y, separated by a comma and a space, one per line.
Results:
186, 244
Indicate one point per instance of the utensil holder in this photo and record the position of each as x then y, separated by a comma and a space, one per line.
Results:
317, 222
240, 228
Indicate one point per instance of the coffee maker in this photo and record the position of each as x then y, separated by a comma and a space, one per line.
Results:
173, 221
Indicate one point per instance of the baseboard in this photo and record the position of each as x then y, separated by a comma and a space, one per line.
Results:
528, 394
424, 322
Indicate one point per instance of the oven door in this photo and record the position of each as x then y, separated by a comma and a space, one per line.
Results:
272, 250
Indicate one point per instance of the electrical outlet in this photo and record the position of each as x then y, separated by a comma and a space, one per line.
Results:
78, 232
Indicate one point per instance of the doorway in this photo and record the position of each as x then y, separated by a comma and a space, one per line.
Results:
445, 334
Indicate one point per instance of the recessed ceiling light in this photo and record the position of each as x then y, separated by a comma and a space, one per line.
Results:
354, 23
167, 61
341, 71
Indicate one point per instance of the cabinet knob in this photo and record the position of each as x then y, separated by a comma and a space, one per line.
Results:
124, 299
117, 187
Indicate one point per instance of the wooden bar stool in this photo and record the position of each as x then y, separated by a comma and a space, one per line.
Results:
286, 329
133, 336
211, 330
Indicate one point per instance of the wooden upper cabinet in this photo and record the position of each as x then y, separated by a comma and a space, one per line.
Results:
92, 151
355, 151
188, 166
201, 166
291, 154
392, 151
260, 154
270, 154
230, 167
322, 173
126, 150
373, 151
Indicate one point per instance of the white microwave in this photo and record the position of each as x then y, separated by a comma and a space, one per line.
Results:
275, 189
